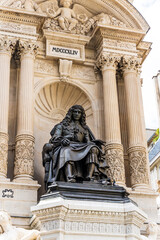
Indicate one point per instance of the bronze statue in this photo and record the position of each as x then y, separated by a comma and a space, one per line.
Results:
73, 154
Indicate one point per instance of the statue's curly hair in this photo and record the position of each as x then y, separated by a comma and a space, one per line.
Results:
62, 1
68, 118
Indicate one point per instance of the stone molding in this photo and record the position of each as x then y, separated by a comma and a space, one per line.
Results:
138, 165
3, 154
7, 45
87, 218
115, 161
24, 156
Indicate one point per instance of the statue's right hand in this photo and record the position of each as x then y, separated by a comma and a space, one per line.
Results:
65, 142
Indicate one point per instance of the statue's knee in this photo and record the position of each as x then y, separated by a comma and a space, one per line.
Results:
94, 150
61, 19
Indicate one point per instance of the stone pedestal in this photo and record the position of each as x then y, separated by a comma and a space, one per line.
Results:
66, 217
17, 199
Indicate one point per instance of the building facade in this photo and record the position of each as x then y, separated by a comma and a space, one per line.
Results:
54, 54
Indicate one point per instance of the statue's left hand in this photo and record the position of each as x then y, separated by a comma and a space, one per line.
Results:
65, 142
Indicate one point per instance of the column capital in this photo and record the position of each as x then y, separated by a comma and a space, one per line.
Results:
107, 60
131, 64
28, 49
7, 45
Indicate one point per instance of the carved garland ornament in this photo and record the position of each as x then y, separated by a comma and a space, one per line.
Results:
115, 161
24, 152
138, 166
3, 153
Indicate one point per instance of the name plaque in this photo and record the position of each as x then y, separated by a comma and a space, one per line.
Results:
64, 52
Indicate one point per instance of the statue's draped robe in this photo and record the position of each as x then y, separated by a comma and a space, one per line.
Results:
81, 142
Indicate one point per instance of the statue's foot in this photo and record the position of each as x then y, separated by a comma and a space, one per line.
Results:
89, 179
71, 179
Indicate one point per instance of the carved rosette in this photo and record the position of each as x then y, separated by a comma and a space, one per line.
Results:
3, 154
27, 48
24, 160
138, 166
115, 161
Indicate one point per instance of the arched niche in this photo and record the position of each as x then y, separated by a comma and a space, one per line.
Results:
51, 105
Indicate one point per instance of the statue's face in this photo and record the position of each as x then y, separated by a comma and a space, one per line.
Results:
67, 3
76, 114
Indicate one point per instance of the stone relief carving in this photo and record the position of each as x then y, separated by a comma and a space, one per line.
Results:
114, 156
76, 20
28, 47
107, 59
28, 5
7, 44
24, 153
65, 68
3, 153
138, 166
152, 231
45, 67
9, 232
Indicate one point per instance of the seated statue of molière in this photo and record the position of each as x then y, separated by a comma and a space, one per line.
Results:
73, 154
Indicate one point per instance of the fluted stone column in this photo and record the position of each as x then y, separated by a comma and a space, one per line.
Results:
6, 47
137, 151
114, 149
24, 152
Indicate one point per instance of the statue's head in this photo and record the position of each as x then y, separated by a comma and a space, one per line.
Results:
66, 3
75, 113
5, 219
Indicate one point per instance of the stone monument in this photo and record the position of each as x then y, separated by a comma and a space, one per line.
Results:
80, 197
54, 55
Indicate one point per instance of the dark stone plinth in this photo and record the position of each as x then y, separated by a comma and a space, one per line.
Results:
87, 191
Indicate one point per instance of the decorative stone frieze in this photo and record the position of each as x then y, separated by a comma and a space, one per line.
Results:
138, 166
3, 154
115, 161
65, 68
28, 5
24, 159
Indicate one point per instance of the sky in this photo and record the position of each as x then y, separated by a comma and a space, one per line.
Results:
150, 10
